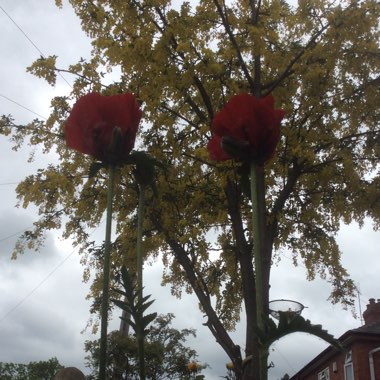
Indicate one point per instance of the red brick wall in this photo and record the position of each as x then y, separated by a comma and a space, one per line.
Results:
360, 361
376, 360
360, 351
339, 375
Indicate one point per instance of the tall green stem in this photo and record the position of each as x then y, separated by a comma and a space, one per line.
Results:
258, 219
140, 327
257, 246
106, 276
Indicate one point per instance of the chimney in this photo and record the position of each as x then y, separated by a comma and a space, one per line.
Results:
372, 313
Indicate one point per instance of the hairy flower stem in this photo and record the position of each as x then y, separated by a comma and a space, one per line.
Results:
106, 276
258, 219
140, 327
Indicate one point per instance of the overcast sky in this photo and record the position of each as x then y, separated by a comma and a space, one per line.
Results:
42, 298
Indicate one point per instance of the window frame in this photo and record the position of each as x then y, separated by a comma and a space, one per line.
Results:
348, 366
324, 374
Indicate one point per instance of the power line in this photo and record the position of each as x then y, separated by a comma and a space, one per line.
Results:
14, 234
36, 287
42, 281
360, 304
19, 28
20, 105
30, 40
9, 183
285, 359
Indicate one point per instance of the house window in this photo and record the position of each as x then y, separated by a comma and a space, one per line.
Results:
348, 367
324, 375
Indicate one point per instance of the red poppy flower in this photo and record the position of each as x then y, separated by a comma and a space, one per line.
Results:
247, 129
104, 127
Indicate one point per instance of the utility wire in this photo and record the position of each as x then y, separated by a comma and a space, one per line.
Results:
19, 28
20, 105
360, 295
30, 40
36, 287
285, 359
60, 264
14, 234
8, 183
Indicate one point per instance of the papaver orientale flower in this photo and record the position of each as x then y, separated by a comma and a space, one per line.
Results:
104, 127
246, 129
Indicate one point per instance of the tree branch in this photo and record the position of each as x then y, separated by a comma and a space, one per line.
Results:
272, 228
288, 70
177, 114
198, 83
255, 11
234, 43
244, 256
213, 323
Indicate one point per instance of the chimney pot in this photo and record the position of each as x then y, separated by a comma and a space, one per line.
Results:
372, 313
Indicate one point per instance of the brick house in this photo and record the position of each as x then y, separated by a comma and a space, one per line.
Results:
361, 361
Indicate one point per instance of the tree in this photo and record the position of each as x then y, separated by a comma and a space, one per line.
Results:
320, 62
42, 370
166, 355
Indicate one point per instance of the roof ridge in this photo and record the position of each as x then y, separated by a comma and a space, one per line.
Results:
371, 327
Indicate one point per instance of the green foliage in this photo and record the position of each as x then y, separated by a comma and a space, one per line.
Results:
320, 61
133, 305
321, 72
42, 370
166, 356
45, 68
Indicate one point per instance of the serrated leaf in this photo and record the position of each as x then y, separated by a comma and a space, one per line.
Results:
119, 291
123, 305
148, 319
130, 322
145, 298
133, 305
142, 308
